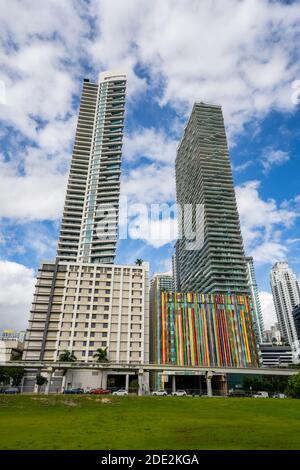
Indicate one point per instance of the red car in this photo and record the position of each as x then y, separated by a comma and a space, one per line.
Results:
99, 391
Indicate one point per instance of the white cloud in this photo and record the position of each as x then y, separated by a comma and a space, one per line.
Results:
240, 56
150, 143
16, 294
272, 157
42, 50
148, 184
262, 223
268, 309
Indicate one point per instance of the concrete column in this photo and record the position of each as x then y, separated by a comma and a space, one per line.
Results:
63, 382
104, 380
127, 382
140, 379
173, 383
22, 384
49, 378
209, 376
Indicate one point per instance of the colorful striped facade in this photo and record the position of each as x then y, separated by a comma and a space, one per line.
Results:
203, 329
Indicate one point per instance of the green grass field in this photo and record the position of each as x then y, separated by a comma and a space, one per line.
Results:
84, 422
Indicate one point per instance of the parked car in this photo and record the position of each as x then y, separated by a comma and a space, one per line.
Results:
11, 390
74, 391
279, 395
99, 391
261, 395
121, 393
237, 393
179, 393
159, 393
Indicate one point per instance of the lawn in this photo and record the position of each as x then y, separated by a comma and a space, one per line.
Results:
84, 422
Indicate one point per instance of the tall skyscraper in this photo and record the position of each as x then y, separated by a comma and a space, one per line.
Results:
90, 218
286, 295
258, 321
204, 178
82, 300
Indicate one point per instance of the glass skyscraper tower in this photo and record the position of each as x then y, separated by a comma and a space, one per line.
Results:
204, 180
90, 218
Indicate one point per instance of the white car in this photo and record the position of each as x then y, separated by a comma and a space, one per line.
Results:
121, 393
159, 393
279, 395
179, 393
261, 395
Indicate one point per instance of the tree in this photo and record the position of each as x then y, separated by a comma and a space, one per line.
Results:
16, 374
101, 355
134, 384
67, 356
40, 381
293, 386
4, 378
139, 261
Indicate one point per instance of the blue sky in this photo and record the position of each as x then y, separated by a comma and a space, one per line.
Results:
243, 57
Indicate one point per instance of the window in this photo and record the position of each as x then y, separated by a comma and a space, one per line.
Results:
93, 325
94, 316
104, 325
106, 307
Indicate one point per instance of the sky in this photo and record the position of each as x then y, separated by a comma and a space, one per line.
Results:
244, 57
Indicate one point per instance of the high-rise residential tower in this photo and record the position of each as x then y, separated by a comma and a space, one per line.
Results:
89, 225
286, 295
215, 263
83, 301
258, 321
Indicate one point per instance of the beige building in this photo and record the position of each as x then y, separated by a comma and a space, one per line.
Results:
82, 307
10, 349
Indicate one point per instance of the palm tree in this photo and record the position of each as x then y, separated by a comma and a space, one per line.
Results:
139, 261
67, 356
101, 355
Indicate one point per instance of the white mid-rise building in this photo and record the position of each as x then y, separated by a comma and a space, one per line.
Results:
286, 295
83, 307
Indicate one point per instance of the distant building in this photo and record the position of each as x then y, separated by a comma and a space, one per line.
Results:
11, 345
273, 335
163, 281
259, 328
8, 335
286, 295
272, 355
